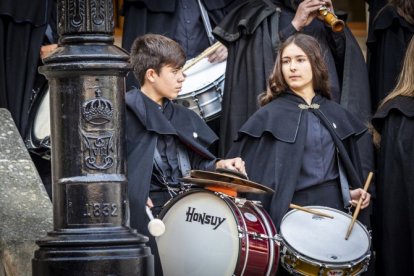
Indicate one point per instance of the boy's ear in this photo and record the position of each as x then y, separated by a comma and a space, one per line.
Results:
150, 75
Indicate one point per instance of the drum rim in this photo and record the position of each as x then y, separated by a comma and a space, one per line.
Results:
215, 82
366, 255
270, 228
32, 142
307, 259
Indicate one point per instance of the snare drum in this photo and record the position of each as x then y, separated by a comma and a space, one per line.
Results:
209, 233
315, 245
202, 90
38, 134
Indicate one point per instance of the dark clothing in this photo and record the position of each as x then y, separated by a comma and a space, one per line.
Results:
272, 143
190, 32
145, 123
387, 43
252, 33
166, 17
374, 7
172, 160
393, 228
319, 160
329, 193
22, 27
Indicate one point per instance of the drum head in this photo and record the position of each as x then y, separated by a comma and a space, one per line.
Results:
201, 75
41, 126
323, 239
200, 238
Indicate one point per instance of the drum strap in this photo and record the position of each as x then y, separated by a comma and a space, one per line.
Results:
183, 164
206, 22
343, 179
346, 196
183, 160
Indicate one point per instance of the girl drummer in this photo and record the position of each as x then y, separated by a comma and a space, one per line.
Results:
300, 143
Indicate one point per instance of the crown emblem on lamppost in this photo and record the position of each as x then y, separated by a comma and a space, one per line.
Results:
97, 111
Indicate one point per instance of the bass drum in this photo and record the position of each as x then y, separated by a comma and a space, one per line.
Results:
38, 133
209, 233
202, 89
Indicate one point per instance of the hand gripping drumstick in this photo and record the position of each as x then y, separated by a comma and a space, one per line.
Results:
358, 207
156, 227
206, 52
293, 206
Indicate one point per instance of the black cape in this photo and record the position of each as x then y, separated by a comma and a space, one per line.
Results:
271, 143
252, 35
22, 27
159, 17
393, 208
387, 43
144, 124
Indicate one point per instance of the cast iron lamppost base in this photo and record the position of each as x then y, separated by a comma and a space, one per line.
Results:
86, 74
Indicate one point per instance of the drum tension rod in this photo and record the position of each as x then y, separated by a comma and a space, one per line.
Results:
258, 236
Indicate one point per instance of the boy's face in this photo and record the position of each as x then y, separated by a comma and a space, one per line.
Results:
169, 82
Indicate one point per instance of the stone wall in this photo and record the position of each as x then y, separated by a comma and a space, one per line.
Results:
25, 209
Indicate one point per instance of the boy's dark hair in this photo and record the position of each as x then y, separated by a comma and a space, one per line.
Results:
152, 51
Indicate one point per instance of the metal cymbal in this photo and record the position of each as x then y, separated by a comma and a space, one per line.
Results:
214, 179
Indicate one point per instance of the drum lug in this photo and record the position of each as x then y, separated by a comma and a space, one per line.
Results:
321, 270
241, 231
257, 203
200, 108
240, 201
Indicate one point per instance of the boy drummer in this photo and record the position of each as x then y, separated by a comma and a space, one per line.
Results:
164, 140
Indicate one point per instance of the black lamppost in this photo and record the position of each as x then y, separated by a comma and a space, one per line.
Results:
86, 74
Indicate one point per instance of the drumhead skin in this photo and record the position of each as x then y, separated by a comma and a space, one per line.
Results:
41, 128
201, 75
202, 90
200, 237
322, 239
208, 233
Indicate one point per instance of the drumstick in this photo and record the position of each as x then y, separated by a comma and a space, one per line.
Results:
294, 206
358, 207
206, 52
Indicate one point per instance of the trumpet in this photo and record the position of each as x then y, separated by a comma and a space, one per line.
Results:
336, 24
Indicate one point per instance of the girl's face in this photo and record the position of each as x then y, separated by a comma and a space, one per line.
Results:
296, 69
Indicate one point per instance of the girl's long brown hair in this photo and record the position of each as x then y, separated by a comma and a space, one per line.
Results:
310, 46
405, 84
405, 8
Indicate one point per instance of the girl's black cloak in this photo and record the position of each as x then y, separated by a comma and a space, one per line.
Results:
252, 33
271, 143
393, 227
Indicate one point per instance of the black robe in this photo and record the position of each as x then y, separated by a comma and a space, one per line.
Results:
271, 143
159, 17
252, 34
387, 43
22, 27
393, 228
145, 122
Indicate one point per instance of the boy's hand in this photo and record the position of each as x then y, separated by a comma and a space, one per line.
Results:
236, 164
149, 203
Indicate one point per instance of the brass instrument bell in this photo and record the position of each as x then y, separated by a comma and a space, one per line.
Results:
336, 24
